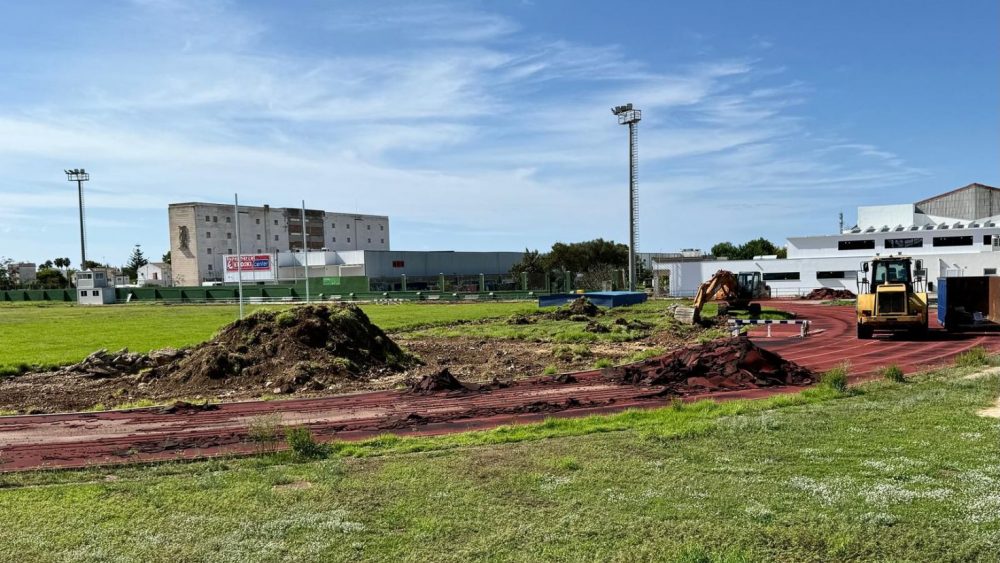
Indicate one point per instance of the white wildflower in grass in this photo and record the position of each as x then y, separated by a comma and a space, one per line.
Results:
971, 435
882, 494
984, 508
759, 512
824, 491
552, 482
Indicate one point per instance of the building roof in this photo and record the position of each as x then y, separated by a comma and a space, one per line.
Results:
972, 186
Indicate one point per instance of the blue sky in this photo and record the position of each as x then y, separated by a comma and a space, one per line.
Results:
486, 125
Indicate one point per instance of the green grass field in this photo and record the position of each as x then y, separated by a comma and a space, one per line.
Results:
47, 335
889, 471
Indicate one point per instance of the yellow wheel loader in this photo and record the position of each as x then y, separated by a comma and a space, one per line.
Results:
894, 299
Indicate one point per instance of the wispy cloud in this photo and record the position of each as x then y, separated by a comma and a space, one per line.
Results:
472, 133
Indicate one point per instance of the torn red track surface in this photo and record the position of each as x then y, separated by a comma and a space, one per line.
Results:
82, 439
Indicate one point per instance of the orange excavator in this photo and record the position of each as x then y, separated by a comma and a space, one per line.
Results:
731, 291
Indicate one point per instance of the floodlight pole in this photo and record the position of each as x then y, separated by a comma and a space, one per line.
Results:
239, 251
305, 250
629, 116
79, 175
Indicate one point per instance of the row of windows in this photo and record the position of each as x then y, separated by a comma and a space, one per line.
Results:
209, 250
380, 227
869, 244
832, 275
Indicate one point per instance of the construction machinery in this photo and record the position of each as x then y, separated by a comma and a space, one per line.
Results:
894, 299
731, 291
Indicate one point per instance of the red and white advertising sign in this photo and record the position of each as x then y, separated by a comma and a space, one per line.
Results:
251, 267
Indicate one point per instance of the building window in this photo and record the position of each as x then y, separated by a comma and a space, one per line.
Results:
369, 227
215, 218
904, 243
258, 236
988, 240
334, 239
229, 251
208, 235
333, 225
381, 227
831, 275
952, 241
209, 267
348, 239
989, 271
781, 276
383, 241
229, 236
208, 219
258, 221
229, 219
276, 237
852, 244
209, 250
369, 241
398, 263
275, 221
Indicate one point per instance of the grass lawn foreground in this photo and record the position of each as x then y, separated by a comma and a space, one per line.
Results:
888, 471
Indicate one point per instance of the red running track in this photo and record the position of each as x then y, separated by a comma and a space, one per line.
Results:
83, 439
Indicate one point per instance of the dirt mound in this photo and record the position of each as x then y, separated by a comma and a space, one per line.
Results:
581, 309
827, 293
304, 348
734, 363
109, 364
436, 383
184, 407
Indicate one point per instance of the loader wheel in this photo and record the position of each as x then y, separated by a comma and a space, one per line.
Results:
754, 310
865, 332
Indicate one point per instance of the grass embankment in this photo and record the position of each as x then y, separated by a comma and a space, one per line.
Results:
889, 471
48, 335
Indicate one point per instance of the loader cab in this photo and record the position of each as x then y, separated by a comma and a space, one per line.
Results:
892, 271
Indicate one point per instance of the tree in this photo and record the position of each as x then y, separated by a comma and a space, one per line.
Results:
61, 262
46, 264
92, 265
583, 256
725, 250
166, 257
135, 261
50, 278
532, 263
6, 281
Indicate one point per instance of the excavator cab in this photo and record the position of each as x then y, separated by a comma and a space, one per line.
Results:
751, 285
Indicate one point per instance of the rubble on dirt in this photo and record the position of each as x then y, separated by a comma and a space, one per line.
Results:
184, 407
521, 319
581, 309
735, 363
297, 349
109, 364
436, 383
828, 293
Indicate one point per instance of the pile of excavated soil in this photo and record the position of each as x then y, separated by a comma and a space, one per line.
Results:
827, 293
305, 348
581, 309
443, 381
733, 363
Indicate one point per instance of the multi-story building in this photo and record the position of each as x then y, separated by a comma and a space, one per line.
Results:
201, 234
955, 234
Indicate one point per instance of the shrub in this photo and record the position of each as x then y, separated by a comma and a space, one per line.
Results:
892, 373
835, 379
973, 357
603, 363
550, 370
264, 431
303, 445
569, 464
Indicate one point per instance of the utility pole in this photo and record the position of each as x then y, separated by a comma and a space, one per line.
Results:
841, 223
79, 175
305, 250
239, 251
629, 116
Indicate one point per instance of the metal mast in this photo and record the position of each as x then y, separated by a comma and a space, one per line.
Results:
629, 116
79, 175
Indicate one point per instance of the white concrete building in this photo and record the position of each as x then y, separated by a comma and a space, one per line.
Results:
155, 274
955, 234
202, 233
93, 288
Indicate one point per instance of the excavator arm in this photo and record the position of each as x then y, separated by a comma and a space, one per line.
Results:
723, 286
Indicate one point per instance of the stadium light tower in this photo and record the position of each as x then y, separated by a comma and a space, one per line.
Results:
80, 176
629, 116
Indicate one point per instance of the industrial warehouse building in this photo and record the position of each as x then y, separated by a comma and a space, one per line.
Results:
955, 234
201, 234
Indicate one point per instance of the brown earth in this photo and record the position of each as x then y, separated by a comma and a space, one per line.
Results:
827, 293
318, 352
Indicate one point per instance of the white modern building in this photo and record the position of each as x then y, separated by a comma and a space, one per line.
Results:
201, 234
955, 234
154, 274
